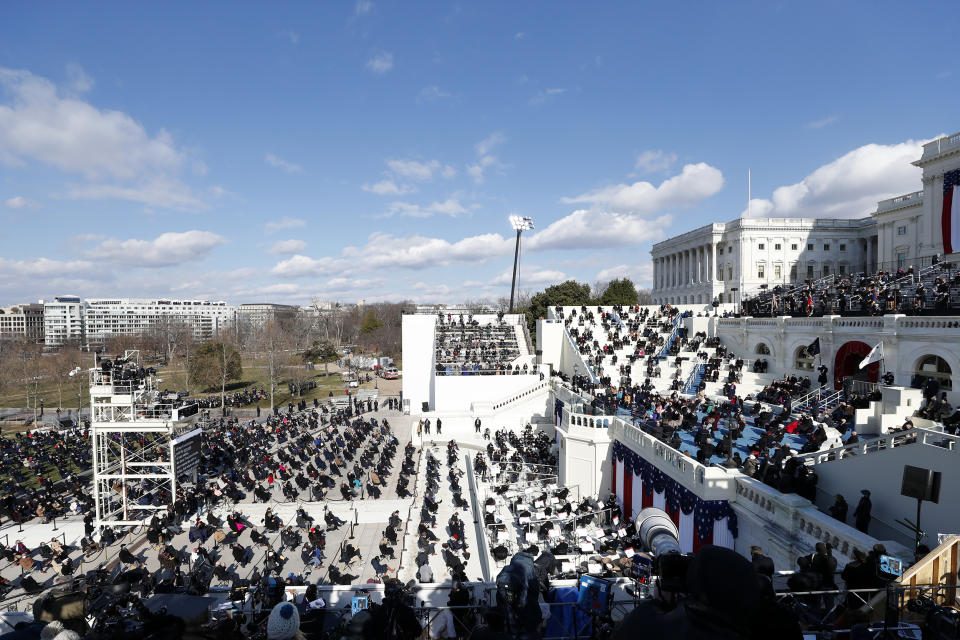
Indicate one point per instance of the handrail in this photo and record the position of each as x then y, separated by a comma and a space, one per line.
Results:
917, 435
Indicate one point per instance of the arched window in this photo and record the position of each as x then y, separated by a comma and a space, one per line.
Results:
937, 368
762, 349
803, 360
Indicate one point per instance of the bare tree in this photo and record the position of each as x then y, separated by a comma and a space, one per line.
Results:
273, 342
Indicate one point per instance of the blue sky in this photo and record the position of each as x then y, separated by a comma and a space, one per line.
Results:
375, 149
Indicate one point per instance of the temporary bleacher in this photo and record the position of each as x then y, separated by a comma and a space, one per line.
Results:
469, 347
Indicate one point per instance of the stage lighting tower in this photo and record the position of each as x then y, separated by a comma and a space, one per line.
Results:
520, 224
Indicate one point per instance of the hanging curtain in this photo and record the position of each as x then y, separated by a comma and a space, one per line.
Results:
618, 487
627, 491
660, 501
637, 493
722, 536
686, 528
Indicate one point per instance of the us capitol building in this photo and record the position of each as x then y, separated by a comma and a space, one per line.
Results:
726, 261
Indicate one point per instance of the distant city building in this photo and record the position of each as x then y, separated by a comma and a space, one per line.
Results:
260, 313
22, 322
64, 321
724, 261
107, 317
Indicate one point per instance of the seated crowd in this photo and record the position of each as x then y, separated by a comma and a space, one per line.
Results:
466, 347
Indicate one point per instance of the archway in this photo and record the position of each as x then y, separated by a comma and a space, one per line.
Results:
847, 364
932, 366
762, 349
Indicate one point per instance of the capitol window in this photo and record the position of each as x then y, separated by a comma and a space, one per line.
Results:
776, 247
902, 231
793, 247
826, 247
761, 246
760, 271
843, 247
803, 360
777, 271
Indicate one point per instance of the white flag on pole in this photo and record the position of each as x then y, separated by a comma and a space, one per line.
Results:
875, 355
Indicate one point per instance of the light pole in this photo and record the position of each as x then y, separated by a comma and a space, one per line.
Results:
76, 372
520, 224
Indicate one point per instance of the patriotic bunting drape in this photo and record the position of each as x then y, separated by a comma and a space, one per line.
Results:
682, 505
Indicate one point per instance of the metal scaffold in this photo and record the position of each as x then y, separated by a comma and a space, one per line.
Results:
141, 441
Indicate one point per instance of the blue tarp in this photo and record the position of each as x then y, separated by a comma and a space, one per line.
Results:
567, 621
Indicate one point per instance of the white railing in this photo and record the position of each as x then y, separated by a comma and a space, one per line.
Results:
520, 395
709, 483
885, 442
798, 519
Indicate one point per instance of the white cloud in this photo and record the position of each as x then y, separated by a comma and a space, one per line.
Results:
519, 35
165, 250
45, 268
418, 252
284, 247
413, 169
78, 79
362, 7
593, 228
19, 202
488, 144
848, 187
448, 172
530, 277
76, 137
651, 161
159, 191
299, 266
42, 124
286, 222
387, 188
381, 62
640, 274
544, 95
694, 183
431, 93
450, 207
292, 36
280, 163
485, 159
819, 124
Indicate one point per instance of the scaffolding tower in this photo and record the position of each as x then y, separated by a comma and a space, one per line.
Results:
135, 434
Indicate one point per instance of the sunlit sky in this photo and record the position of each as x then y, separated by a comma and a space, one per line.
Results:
343, 150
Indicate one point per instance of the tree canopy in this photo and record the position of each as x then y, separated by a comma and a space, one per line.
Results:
320, 351
619, 291
370, 323
569, 293
207, 365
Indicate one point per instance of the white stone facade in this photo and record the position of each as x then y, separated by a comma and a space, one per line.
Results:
726, 261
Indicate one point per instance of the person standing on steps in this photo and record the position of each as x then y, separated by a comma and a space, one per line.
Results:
476, 425
439, 424
862, 514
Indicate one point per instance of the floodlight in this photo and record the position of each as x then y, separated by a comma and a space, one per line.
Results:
521, 223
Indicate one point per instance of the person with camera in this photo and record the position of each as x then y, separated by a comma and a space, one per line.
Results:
715, 595
393, 619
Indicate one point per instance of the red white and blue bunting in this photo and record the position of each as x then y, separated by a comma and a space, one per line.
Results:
695, 518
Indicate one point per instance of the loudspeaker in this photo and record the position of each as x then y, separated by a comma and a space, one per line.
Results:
923, 484
425, 407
